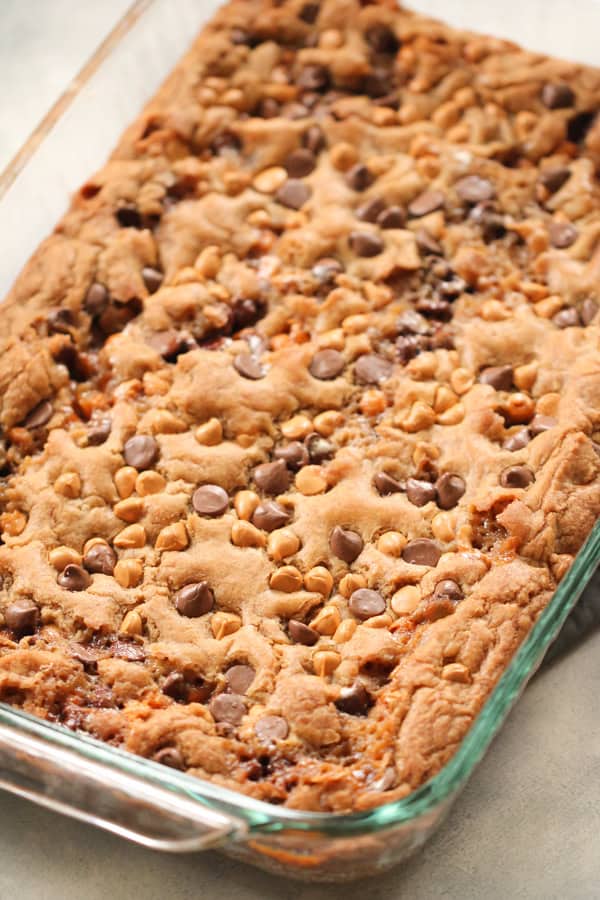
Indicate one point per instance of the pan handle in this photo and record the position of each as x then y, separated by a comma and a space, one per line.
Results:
135, 808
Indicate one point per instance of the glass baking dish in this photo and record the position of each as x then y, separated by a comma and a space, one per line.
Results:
138, 799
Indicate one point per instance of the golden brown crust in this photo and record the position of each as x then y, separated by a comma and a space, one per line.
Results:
343, 269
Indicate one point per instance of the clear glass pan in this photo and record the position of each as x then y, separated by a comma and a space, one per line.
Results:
138, 799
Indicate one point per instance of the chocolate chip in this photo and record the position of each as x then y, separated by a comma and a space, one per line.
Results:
245, 312
354, 700
300, 163
327, 364
562, 234
271, 728
141, 451
248, 366
369, 211
345, 544
294, 455
516, 477
566, 318
171, 757
427, 202
372, 369
194, 600
309, 13
22, 616
270, 515
588, 311
116, 315
302, 634
450, 489
427, 244
268, 108
272, 477
240, 37
491, 222
382, 39
365, 243
359, 177
128, 216
553, 179
226, 142
447, 590
409, 346
100, 559
541, 423
239, 678
517, 441
87, 656
127, 649
384, 484
227, 708
365, 603
325, 270
420, 492
165, 343
152, 279
391, 100
99, 432
319, 449
175, 686
210, 500
434, 308
314, 139
557, 95
422, 552
74, 578
499, 377
392, 217
579, 125
39, 415
313, 78
293, 193
474, 189
96, 299
60, 321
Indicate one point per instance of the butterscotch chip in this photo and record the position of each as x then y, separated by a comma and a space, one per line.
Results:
352, 582
223, 624
405, 600
287, 578
283, 543
132, 624
327, 422
210, 433
125, 480
172, 537
128, 572
129, 510
319, 579
149, 482
327, 620
392, 543
244, 534
60, 557
68, 484
325, 662
134, 536
310, 480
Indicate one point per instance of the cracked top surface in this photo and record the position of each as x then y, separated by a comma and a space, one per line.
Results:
299, 403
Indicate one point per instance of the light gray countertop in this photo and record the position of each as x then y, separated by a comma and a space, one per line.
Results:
527, 825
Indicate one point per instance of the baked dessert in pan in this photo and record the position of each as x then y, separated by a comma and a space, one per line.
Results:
299, 403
